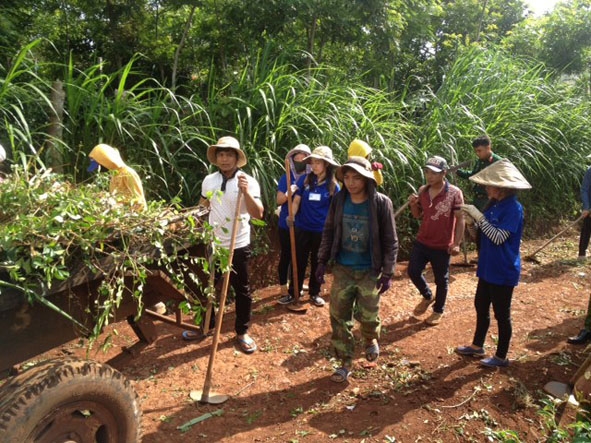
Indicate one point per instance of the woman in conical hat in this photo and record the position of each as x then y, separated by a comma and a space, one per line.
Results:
499, 262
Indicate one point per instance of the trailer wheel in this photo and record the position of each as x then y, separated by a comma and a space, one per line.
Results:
70, 401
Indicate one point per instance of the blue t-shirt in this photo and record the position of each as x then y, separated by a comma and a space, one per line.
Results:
501, 264
313, 206
355, 246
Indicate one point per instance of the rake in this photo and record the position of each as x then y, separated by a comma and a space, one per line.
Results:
531, 257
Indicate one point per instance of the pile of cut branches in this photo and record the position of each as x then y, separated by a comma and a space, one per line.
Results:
55, 235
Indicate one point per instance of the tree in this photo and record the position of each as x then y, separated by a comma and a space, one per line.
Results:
566, 39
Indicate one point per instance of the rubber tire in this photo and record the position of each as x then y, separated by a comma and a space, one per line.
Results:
69, 400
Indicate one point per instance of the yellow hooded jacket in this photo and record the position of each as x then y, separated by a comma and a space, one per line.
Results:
125, 183
359, 148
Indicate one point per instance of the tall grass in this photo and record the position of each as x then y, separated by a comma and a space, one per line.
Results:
532, 120
271, 107
276, 108
24, 105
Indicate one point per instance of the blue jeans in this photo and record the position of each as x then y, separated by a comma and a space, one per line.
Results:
420, 255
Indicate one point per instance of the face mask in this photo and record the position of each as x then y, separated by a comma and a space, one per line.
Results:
299, 166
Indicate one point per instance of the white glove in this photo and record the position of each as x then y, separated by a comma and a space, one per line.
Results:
472, 212
294, 189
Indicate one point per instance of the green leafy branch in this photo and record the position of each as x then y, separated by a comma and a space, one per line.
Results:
54, 236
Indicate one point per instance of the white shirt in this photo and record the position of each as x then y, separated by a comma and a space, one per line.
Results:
223, 207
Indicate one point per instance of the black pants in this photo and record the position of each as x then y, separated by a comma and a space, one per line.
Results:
284, 256
500, 297
307, 245
239, 282
420, 255
585, 236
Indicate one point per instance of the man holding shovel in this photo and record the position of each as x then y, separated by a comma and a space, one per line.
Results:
221, 192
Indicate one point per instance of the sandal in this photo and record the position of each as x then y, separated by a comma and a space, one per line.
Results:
246, 344
340, 375
191, 335
372, 351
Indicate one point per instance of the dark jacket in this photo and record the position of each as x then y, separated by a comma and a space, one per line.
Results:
383, 239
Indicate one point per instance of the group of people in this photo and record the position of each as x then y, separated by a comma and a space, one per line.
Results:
355, 235
343, 224
351, 230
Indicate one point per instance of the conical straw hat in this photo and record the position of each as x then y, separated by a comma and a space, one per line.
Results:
502, 174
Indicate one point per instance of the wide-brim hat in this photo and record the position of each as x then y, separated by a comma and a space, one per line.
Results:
2, 154
501, 174
226, 142
299, 149
322, 153
358, 148
358, 164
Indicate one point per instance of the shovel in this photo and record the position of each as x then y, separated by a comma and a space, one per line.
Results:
401, 209
294, 306
532, 257
212, 290
206, 396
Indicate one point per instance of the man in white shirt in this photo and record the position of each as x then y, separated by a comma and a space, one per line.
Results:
220, 192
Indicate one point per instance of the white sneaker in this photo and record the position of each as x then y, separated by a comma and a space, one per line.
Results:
317, 300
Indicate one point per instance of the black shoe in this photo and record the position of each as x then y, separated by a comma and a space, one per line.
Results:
286, 299
583, 337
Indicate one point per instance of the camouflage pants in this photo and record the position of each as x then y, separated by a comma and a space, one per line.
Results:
353, 292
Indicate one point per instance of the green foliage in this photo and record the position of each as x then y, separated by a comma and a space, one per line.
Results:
535, 123
271, 106
576, 432
276, 108
505, 436
54, 234
567, 41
